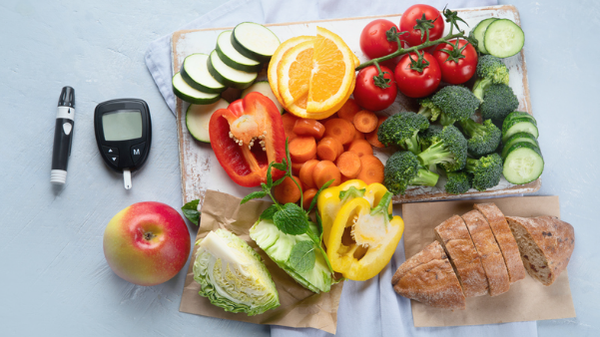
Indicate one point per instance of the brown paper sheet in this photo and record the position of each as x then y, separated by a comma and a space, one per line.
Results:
299, 307
527, 300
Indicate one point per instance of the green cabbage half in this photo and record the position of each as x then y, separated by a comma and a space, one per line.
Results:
232, 275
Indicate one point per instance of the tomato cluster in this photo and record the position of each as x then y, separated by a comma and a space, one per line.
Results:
415, 75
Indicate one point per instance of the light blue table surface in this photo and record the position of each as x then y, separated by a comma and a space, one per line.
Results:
54, 280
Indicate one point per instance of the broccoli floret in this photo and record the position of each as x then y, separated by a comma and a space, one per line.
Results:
498, 101
402, 129
486, 171
428, 109
490, 70
458, 182
448, 148
456, 103
426, 136
402, 169
482, 138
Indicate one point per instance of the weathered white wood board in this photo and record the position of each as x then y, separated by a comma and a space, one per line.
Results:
200, 169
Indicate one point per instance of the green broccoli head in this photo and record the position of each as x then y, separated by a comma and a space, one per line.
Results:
448, 148
486, 171
428, 109
498, 101
456, 102
458, 182
402, 130
402, 169
426, 137
490, 70
482, 138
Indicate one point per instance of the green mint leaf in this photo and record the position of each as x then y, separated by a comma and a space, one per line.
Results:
303, 256
268, 213
190, 211
291, 219
313, 203
253, 195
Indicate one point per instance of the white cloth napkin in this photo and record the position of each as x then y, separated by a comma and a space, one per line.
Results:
369, 308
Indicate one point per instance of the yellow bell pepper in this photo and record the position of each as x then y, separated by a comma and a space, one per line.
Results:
359, 230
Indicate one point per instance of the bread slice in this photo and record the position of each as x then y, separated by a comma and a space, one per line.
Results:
454, 236
506, 241
545, 243
491, 257
429, 278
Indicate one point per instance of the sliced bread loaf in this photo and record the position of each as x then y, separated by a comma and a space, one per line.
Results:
545, 243
488, 250
454, 237
429, 278
506, 241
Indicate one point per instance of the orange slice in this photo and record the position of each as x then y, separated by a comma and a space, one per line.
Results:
276, 59
293, 76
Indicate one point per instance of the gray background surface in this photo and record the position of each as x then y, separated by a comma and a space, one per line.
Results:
53, 276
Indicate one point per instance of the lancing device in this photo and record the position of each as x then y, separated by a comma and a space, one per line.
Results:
63, 136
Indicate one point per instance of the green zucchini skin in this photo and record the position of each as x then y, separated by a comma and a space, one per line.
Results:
252, 50
523, 163
195, 73
231, 57
188, 94
228, 76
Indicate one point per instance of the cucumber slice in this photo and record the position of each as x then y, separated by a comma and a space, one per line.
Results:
264, 88
479, 31
191, 95
519, 137
197, 118
503, 38
228, 76
194, 72
254, 41
523, 163
515, 125
231, 57
519, 114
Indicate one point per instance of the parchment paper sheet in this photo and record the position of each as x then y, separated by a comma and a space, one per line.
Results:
527, 300
299, 307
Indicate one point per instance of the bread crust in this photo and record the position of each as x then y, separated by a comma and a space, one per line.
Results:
429, 278
454, 236
488, 250
505, 239
554, 237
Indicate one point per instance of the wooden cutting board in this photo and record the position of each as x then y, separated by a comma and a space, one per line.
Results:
200, 169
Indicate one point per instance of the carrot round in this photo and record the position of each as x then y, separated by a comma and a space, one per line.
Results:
309, 127
349, 164
325, 171
361, 147
302, 149
365, 121
308, 196
359, 135
371, 169
306, 173
329, 148
348, 110
289, 120
372, 138
340, 129
287, 191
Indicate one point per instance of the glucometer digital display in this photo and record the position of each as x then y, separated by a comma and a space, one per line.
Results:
123, 133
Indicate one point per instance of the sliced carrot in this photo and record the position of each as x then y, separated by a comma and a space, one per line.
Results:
365, 121
325, 171
287, 191
349, 164
348, 110
341, 129
359, 135
372, 138
289, 120
302, 149
309, 127
329, 148
371, 169
308, 197
361, 147
306, 173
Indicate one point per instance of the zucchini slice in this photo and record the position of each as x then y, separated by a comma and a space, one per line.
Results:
523, 163
254, 41
479, 31
231, 57
519, 137
183, 90
197, 118
503, 38
514, 125
228, 76
194, 72
264, 88
519, 114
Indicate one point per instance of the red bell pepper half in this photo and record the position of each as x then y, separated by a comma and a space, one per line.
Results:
246, 137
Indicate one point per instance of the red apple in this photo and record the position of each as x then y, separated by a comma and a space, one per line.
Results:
147, 243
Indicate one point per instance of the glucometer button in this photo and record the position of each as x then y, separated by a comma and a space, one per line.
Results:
136, 152
110, 151
114, 159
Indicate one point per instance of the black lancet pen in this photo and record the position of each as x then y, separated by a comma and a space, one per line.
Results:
63, 136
